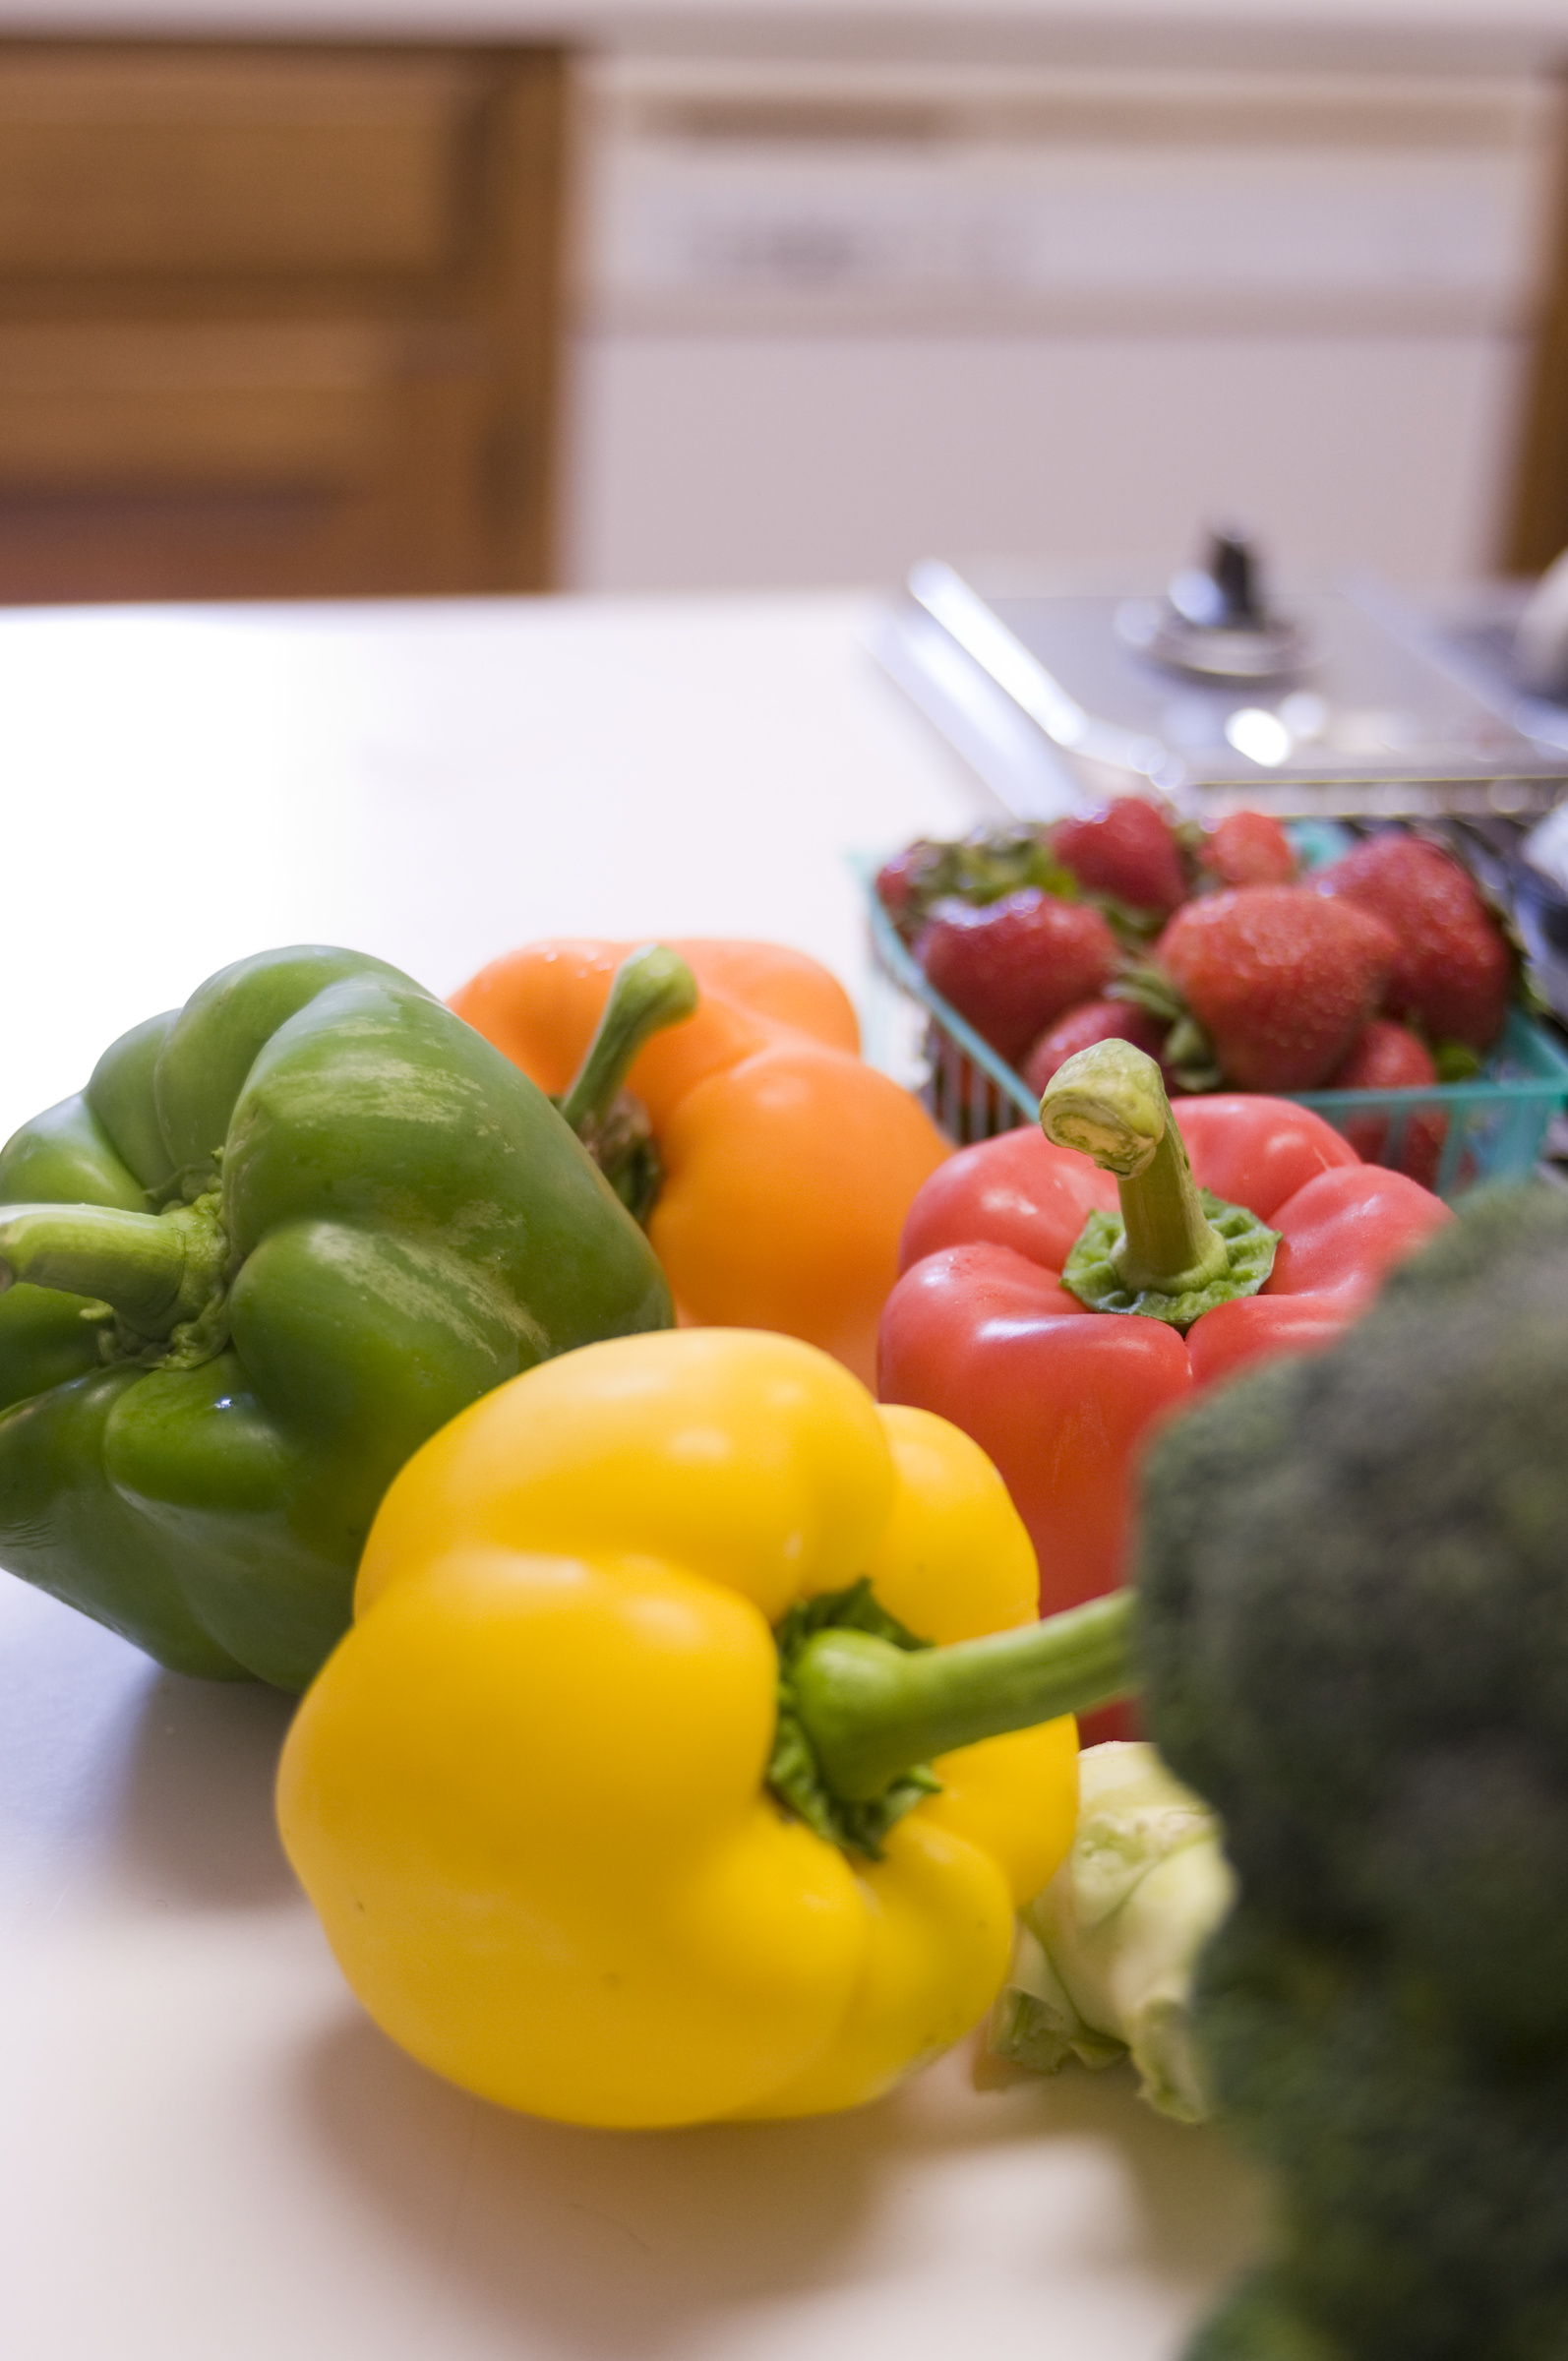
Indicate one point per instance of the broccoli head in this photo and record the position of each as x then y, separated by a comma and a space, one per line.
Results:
1353, 1630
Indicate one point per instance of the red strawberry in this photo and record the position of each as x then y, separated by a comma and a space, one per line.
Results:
1010, 966
1249, 848
906, 882
1388, 1057
1453, 973
1127, 851
1281, 978
1080, 1028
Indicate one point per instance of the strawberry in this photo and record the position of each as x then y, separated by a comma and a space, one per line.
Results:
1281, 978
1389, 1057
1011, 966
1453, 971
978, 867
1249, 848
1080, 1028
1127, 851
906, 884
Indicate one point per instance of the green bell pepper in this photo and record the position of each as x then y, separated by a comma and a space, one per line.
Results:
283, 1234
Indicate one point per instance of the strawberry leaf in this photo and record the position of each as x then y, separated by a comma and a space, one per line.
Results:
1456, 1062
1149, 987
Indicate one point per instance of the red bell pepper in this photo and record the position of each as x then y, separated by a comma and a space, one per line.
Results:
982, 1329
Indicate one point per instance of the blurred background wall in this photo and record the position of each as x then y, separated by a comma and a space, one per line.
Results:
829, 320
751, 296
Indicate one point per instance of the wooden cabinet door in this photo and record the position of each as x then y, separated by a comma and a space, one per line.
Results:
276, 322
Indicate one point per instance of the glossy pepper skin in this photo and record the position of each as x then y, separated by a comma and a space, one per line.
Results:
526, 1792
980, 1330
327, 1216
789, 1165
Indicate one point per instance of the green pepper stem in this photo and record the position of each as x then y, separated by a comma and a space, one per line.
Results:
154, 1270
873, 1711
1108, 1102
653, 988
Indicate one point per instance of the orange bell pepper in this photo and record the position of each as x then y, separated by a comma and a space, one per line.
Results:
789, 1165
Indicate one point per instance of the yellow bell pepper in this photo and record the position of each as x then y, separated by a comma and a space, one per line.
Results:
529, 1793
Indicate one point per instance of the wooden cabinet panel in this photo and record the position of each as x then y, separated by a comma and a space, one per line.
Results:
196, 165
1535, 526
409, 517
277, 322
286, 401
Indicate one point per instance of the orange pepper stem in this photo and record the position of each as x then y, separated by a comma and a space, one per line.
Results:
653, 988
874, 1712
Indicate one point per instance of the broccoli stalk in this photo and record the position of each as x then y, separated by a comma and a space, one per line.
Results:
1353, 1631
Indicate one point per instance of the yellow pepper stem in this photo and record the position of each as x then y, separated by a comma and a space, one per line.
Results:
872, 1712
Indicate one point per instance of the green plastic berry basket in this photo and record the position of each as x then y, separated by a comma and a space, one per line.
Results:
1489, 1129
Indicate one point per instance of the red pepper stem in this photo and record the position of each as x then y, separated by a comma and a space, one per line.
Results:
873, 1711
1109, 1102
154, 1270
653, 988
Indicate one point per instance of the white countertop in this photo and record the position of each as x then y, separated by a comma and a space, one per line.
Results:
430, 782
206, 2153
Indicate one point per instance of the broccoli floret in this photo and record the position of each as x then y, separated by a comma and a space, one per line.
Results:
1354, 1619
